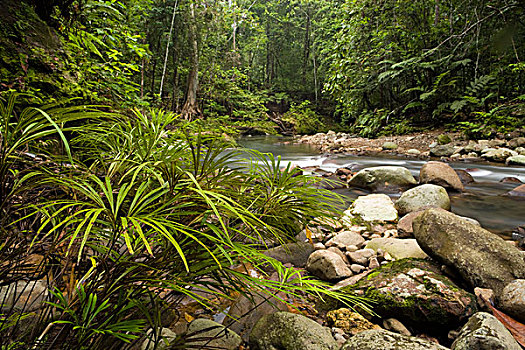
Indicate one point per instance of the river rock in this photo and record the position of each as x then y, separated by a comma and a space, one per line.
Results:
327, 266
443, 139
518, 191
498, 154
423, 196
516, 142
287, 331
518, 160
23, 295
294, 253
439, 173
405, 229
386, 340
165, 338
361, 256
382, 178
349, 321
464, 176
394, 325
397, 248
374, 207
512, 299
206, 333
389, 145
442, 150
415, 292
484, 332
345, 239
482, 258
413, 152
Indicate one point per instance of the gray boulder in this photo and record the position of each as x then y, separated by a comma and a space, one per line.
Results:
287, 331
374, 207
512, 299
295, 253
421, 197
206, 333
386, 340
327, 266
482, 258
484, 332
442, 150
439, 173
383, 178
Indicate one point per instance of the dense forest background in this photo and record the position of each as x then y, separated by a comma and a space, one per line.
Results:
366, 66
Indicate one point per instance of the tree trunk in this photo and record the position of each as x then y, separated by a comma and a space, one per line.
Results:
191, 108
167, 49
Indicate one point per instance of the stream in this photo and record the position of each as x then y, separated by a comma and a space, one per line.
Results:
482, 200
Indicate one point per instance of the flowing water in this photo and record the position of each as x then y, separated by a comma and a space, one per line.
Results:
481, 200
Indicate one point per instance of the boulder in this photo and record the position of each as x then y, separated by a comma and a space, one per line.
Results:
464, 176
484, 332
482, 258
498, 154
204, 333
287, 331
374, 207
361, 256
405, 229
381, 178
389, 145
512, 299
24, 295
397, 248
345, 239
516, 142
442, 174
442, 150
386, 340
327, 266
349, 321
294, 253
415, 292
517, 160
421, 197
518, 191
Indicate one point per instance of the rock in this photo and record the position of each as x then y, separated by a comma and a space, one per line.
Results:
520, 150
442, 150
498, 154
343, 171
464, 176
340, 253
386, 340
209, 334
510, 179
415, 292
443, 139
374, 207
518, 160
327, 266
442, 174
373, 263
405, 229
24, 296
413, 152
295, 253
166, 337
497, 143
287, 331
512, 299
423, 196
349, 321
357, 269
394, 325
383, 178
346, 238
518, 191
361, 256
389, 145
398, 248
480, 257
484, 332
516, 142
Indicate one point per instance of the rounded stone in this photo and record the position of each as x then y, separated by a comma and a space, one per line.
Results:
512, 299
442, 174
421, 197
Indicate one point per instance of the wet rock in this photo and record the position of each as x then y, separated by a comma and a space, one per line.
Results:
23, 295
349, 321
423, 196
343, 171
442, 174
464, 176
287, 331
510, 179
442, 150
480, 257
374, 207
517, 160
512, 299
518, 191
395, 325
398, 248
415, 292
209, 334
383, 178
389, 145
386, 340
165, 337
327, 266
498, 154
484, 332
346, 238
294, 253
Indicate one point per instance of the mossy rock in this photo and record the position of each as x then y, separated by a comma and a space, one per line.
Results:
414, 291
443, 139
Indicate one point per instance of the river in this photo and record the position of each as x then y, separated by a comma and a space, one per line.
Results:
481, 200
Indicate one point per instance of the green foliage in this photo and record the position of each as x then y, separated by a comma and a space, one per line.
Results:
304, 119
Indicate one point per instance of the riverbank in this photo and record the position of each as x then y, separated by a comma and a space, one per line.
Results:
509, 148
